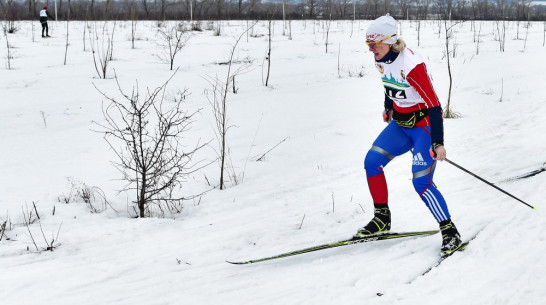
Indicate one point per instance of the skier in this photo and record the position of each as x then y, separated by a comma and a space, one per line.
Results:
44, 14
414, 116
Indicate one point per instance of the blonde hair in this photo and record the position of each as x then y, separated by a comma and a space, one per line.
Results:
399, 45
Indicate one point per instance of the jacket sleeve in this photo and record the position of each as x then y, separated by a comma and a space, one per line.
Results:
436, 125
418, 78
388, 103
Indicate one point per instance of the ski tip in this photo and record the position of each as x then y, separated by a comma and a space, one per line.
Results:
233, 263
238, 263
534, 207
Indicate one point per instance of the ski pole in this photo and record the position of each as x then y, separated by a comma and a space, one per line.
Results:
489, 183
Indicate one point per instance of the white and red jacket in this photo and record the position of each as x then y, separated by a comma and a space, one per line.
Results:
408, 87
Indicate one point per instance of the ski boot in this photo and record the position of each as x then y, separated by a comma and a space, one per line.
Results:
451, 240
381, 223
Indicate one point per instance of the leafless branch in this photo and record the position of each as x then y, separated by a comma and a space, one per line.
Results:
27, 222
262, 157
3, 229
173, 39
146, 136
218, 101
102, 49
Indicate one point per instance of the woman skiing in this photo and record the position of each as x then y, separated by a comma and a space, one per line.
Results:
414, 116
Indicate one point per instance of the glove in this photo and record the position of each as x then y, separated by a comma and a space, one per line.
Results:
438, 151
387, 115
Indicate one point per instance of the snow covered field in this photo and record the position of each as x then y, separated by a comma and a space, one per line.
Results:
310, 189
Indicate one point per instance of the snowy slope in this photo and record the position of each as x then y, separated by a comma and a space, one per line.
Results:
309, 190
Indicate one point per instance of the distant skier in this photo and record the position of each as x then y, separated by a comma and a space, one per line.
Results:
414, 116
44, 14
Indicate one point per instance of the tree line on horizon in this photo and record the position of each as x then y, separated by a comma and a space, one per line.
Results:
14, 10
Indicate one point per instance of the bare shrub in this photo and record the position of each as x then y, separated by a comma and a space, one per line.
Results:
327, 32
544, 35
3, 229
268, 56
449, 36
9, 14
218, 101
146, 133
133, 16
173, 38
477, 37
93, 196
9, 56
501, 31
196, 26
29, 219
102, 47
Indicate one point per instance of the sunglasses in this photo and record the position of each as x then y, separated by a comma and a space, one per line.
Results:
372, 44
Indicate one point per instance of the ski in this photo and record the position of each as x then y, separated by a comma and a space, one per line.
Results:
445, 256
351, 241
526, 175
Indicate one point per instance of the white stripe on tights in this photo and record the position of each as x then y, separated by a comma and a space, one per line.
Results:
436, 205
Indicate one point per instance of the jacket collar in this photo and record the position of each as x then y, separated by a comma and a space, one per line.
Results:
389, 58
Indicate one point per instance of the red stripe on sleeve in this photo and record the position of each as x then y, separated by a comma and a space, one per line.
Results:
418, 79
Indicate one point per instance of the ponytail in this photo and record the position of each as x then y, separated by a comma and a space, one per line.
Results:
399, 45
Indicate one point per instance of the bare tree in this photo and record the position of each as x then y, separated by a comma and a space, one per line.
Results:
544, 34
418, 32
527, 26
501, 32
133, 16
10, 16
173, 39
283, 18
422, 9
86, 29
3, 229
31, 8
449, 37
67, 26
312, 4
107, 5
90, 13
501, 23
146, 9
404, 6
268, 56
240, 7
519, 10
328, 23
219, 7
9, 56
162, 7
152, 158
477, 37
102, 48
342, 6
218, 101
270, 27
